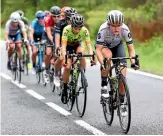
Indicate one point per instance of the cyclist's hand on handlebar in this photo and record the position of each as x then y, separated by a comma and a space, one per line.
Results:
135, 66
32, 43
7, 42
103, 67
26, 41
93, 62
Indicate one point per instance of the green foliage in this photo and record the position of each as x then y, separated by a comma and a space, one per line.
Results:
151, 55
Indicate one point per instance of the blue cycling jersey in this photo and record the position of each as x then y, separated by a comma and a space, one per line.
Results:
38, 29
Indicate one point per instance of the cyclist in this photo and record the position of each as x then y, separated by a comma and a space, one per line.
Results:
109, 44
47, 13
63, 11
58, 34
50, 22
36, 31
12, 34
72, 37
26, 23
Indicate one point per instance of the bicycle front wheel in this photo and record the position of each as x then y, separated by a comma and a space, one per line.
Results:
108, 109
81, 93
70, 94
124, 105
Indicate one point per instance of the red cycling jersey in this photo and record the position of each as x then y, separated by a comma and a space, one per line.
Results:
49, 21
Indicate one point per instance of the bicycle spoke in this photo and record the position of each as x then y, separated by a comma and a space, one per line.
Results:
124, 109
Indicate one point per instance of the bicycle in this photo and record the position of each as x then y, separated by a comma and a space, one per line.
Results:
52, 74
39, 68
74, 89
113, 101
25, 58
15, 63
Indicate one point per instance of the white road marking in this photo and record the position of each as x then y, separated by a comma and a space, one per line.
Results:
18, 84
90, 128
144, 73
34, 94
58, 108
5, 76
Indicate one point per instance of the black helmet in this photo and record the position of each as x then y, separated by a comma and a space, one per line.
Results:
69, 12
77, 20
21, 13
55, 10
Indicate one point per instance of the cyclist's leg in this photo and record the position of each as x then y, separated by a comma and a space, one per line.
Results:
10, 51
19, 49
119, 51
82, 61
65, 77
106, 52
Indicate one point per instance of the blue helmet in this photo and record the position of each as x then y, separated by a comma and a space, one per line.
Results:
40, 14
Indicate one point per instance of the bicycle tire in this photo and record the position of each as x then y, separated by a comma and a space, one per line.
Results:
108, 110
19, 71
70, 94
84, 87
125, 129
38, 74
25, 66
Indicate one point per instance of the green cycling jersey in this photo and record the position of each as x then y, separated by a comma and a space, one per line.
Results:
69, 37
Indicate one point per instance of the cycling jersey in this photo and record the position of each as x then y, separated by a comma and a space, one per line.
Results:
60, 26
38, 29
12, 30
25, 20
106, 38
70, 38
49, 22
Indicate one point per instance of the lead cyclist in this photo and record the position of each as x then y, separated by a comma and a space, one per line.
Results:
109, 44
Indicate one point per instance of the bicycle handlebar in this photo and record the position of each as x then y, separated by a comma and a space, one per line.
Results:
121, 58
79, 56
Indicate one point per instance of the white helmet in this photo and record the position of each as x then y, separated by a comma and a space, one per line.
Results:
15, 17
115, 17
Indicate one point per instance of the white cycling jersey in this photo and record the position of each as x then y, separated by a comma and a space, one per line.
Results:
12, 30
107, 39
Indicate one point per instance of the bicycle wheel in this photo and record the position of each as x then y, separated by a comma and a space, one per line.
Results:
25, 63
19, 71
124, 109
70, 94
108, 109
38, 74
44, 83
81, 93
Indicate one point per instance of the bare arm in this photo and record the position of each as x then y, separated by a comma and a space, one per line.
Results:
24, 35
99, 53
6, 36
57, 40
131, 51
64, 45
31, 32
49, 34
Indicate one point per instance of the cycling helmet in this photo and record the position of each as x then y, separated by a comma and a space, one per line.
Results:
46, 12
77, 20
69, 12
115, 17
40, 14
21, 13
55, 10
15, 17
63, 10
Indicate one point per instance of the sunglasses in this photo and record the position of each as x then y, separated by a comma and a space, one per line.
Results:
56, 16
115, 25
40, 18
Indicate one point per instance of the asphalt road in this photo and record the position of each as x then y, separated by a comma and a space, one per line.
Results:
22, 113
